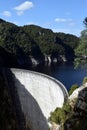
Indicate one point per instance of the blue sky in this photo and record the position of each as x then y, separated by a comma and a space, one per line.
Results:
59, 15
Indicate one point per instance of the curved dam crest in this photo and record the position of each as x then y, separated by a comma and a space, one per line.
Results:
39, 95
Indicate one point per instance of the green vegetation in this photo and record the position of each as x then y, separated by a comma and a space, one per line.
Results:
31, 41
61, 114
70, 116
58, 116
76, 123
85, 80
81, 50
73, 87
50, 42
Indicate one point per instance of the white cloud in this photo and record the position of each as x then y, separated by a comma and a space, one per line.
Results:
68, 31
20, 13
24, 6
6, 13
68, 21
61, 30
62, 20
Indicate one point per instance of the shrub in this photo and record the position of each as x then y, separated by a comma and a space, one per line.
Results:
60, 114
85, 80
73, 87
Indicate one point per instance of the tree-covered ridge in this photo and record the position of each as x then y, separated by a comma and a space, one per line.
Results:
51, 40
31, 41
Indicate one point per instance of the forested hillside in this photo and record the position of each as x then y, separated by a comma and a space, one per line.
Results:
30, 44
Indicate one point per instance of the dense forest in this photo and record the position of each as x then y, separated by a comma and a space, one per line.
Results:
22, 46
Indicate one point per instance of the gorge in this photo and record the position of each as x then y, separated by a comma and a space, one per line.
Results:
28, 97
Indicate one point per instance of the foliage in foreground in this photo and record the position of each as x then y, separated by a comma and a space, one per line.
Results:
85, 80
73, 87
61, 114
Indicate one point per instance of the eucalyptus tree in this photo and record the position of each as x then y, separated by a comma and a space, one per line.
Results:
81, 50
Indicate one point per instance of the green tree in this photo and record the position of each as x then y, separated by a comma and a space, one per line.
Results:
35, 41
81, 50
85, 22
73, 87
85, 80
60, 115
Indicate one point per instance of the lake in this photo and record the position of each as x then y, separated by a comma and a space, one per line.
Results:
64, 73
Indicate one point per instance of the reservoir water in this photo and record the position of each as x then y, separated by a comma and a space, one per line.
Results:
65, 73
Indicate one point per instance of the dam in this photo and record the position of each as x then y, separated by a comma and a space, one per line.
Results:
38, 94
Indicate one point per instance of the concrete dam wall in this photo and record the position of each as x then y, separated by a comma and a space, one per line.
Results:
39, 95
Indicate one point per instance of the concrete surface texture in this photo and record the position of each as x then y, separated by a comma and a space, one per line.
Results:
39, 95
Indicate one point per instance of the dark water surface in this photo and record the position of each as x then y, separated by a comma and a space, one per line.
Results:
64, 73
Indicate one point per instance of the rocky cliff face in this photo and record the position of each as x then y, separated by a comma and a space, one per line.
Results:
78, 119
75, 117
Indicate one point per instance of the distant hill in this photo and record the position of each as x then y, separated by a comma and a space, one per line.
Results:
31, 44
